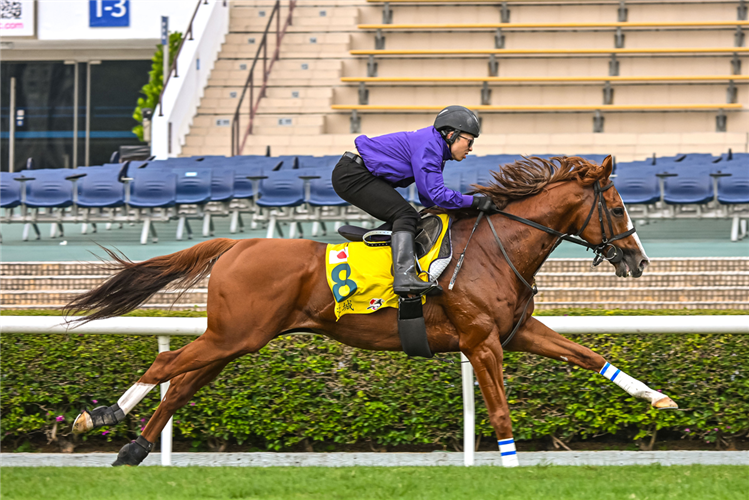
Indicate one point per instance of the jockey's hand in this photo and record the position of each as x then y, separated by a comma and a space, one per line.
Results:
484, 204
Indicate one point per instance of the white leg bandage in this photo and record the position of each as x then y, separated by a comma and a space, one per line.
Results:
133, 396
633, 386
508, 453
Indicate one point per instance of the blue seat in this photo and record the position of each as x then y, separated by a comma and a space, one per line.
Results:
10, 190
152, 188
101, 187
637, 183
469, 177
593, 158
697, 158
452, 178
49, 189
287, 162
692, 184
322, 193
193, 185
222, 184
320, 162
250, 166
734, 189
283, 188
406, 193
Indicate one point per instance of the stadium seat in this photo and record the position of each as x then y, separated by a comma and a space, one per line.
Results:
50, 188
692, 184
10, 196
322, 162
222, 184
283, 188
322, 194
152, 188
10, 191
637, 183
101, 187
193, 185
734, 189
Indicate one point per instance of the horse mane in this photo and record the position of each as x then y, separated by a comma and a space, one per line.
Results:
531, 175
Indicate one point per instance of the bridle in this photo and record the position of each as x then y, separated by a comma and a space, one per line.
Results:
605, 250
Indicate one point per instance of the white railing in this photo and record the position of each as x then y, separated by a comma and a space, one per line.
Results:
181, 97
167, 327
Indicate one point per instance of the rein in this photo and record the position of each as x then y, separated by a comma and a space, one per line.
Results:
603, 251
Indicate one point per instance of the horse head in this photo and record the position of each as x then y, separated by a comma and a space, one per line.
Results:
604, 222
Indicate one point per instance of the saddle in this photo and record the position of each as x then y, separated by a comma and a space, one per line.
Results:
433, 251
428, 232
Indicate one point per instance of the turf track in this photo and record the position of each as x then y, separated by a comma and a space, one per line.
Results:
433, 483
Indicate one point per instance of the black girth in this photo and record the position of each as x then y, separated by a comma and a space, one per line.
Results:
603, 251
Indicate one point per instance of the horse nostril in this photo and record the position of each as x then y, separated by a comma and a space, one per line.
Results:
643, 264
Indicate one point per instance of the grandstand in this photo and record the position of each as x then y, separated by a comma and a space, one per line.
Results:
627, 78
658, 84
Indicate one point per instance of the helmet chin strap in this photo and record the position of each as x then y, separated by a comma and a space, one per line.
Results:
453, 138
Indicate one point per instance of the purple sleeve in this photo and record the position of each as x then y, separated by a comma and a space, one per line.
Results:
430, 183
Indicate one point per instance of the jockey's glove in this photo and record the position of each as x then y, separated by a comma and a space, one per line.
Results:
484, 204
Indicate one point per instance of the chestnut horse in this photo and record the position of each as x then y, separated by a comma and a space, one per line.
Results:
262, 288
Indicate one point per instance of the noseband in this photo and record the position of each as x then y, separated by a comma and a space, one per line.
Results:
605, 250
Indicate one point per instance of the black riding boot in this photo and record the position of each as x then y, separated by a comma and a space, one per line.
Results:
405, 279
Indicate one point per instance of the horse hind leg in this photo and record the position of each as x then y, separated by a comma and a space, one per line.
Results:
181, 390
205, 350
537, 338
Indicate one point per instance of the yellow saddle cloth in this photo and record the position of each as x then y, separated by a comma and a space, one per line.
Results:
361, 277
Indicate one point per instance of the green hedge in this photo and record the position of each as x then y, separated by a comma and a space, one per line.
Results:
303, 387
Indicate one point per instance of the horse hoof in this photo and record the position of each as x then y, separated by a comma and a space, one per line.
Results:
83, 423
665, 403
133, 453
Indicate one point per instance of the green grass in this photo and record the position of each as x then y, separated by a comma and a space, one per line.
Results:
433, 483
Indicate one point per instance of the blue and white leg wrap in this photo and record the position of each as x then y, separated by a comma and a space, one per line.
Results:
633, 386
508, 452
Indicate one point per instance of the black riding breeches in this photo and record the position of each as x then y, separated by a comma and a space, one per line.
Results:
358, 186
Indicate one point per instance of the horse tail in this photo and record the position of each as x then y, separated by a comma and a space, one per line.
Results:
136, 282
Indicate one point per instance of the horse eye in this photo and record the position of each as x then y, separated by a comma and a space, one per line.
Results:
618, 212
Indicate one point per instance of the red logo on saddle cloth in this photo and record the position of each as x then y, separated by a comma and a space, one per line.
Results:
375, 304
337, 256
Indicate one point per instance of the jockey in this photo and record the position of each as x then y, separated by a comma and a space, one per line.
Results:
368, 181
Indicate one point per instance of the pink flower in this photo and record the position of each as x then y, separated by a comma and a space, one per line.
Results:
686, 430
60, 418
142, 419
192, 404
94, 401
176, 421
715, 429
104, 433
141, 429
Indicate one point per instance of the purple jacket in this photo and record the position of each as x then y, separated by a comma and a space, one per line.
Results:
404, 157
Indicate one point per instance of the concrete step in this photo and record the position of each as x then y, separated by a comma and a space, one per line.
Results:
57, 298
537, 12
687, 283
677, 266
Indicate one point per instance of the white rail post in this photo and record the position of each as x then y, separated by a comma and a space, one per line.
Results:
469, 411
166, 434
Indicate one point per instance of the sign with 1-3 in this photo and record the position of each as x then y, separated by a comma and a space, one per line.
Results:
108, 13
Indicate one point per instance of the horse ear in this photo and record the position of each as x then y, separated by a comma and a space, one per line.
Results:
608, 166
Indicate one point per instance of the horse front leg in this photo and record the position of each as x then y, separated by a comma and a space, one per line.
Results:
537, 338
486, 359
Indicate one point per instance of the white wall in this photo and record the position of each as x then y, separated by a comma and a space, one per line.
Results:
69, 20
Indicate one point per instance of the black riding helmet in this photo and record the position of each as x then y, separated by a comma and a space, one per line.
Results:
459, 119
